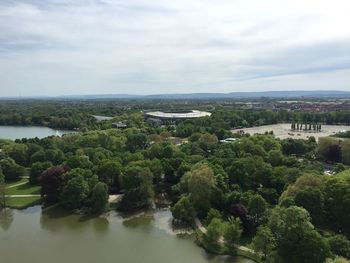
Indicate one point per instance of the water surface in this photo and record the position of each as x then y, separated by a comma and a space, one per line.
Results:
34, 235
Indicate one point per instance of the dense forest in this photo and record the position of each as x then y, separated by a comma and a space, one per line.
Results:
269, 194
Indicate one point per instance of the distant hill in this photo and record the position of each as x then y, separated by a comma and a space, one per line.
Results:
231, 95
263, 94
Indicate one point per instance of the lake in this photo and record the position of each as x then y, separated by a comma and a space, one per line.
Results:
19, 132
36, 235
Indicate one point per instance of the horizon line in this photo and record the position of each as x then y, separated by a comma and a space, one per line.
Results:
181, 93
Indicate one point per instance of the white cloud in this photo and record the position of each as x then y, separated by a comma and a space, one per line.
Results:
160, 46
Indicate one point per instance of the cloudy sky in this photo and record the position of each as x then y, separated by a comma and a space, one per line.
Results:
66, 47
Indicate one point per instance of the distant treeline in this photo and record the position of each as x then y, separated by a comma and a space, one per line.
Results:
77, 114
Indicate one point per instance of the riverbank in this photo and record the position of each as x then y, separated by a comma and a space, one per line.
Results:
21, 199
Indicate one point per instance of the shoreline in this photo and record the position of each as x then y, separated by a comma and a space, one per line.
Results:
193, 229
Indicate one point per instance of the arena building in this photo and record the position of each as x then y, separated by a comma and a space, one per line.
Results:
176, 115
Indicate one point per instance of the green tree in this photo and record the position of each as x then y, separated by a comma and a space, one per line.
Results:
257, 207
137, 141
208, 142
201, 182
37, 169
313, 201
183, 210
132, 176
56, 156
17, 152
291, 227
233, 230
74, 192
339, 245
329, 149
290, 222
312, 248
138, 183
168, 151
294, 146
109, 172
38, 156
337, 204
345, 151
157, 170
212, 213
99, 198
215, 231
11, 169
146, 185
87, 175
303, 182
77, 161
275, 157
264, 241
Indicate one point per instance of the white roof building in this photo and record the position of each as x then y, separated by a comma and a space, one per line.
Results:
174, 115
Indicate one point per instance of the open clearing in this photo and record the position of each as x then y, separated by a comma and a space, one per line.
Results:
283, 131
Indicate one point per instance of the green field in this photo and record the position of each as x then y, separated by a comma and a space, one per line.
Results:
21, 180
22, 187
22, 202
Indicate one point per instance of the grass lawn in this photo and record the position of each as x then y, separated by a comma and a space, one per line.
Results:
22, 202
24, 189
21, 180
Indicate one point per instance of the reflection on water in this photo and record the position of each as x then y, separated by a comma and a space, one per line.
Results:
141, 221
101, 225
55, 235
6, 218
56, 219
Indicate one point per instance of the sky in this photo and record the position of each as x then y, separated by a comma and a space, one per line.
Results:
52, 47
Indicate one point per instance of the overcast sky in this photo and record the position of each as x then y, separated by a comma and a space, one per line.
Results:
67, 47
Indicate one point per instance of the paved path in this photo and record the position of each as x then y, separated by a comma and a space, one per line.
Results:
199, 225
22, 195
11, 186
243, 248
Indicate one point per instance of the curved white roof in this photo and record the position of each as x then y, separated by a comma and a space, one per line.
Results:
173, 115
